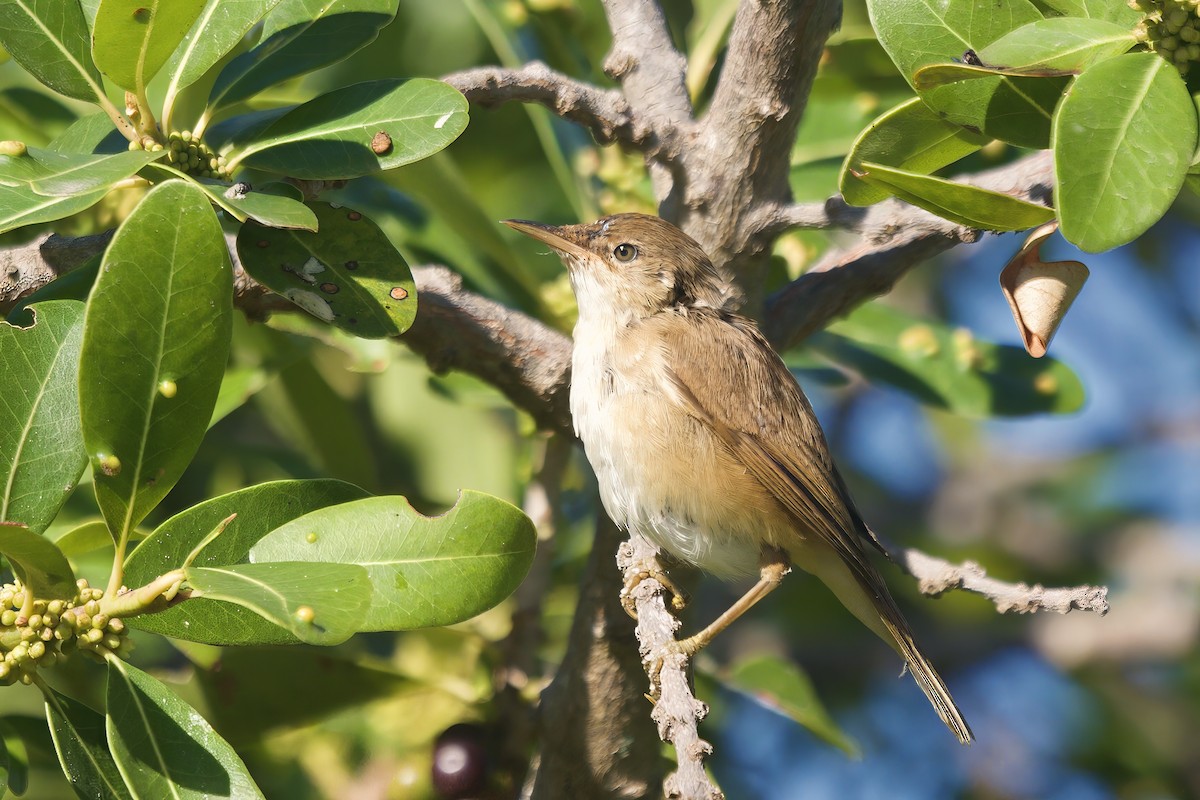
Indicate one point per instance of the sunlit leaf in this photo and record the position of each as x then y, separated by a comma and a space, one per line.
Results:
57, 174
298, 37
155, 342
911, 137
37, 562
424, 570
50, 39
132, 39
163, 747
216, 31
958, 202
348, 273
1123, 140
82, 748
1060, 43
916, 33
361, 129
41, 444
259, 510
321, 603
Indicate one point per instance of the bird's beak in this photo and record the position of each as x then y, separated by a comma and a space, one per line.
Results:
563, 239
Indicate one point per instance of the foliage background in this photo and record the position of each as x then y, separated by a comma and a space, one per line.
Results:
1076, 707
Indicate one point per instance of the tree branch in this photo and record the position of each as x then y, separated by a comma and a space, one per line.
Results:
603, 112
677, 712
936, 576
895, 238
594, 721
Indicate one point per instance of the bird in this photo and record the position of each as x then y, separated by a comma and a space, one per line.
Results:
701, 439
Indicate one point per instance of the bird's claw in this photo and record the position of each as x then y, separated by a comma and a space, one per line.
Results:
679, 598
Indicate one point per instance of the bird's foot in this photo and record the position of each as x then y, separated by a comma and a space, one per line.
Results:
678, 601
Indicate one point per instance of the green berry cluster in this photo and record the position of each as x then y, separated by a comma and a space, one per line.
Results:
1172, 28
53, 630
187, 153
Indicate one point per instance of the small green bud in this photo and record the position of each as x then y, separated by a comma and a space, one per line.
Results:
37, 650
8, 618
116, 625
112, 642
35, 622
100, 621
93, 636
186, 136
91, 608
55, 607
83, 621
28, 634
47, 634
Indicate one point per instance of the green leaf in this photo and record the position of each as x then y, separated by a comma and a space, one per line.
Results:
361, 129
935, 75
82, 748
36, 560
57, 174
41, 445
259, 510
785, 688
270, 210
219, 28
958, 202
84, 538
132, 39
424, 570
50, 39
163, 747
949, 369
1117, 12
1123, 140
17, 758
317, 603
33, 116
252, 691
90, 134
1067, 43
156, 338
298, 37
911, 137
348, 273
916, 33
21, 206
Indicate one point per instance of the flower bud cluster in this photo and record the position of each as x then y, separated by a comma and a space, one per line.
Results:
53, 630
1172, 28
188, 154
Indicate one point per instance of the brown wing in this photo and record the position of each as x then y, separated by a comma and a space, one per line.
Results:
780, 443
777, 438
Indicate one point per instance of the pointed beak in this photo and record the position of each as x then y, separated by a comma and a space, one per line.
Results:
563, 239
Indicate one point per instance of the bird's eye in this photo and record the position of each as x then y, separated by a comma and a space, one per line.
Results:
625, 252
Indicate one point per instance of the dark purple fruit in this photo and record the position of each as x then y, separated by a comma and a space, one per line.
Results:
460, 762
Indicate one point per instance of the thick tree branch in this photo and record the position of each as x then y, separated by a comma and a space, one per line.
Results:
603, 112
594, 718
740, 156
653, 78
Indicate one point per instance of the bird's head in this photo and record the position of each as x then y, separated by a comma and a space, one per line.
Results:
632, 265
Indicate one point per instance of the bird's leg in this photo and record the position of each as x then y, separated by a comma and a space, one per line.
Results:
679, 598
773, 565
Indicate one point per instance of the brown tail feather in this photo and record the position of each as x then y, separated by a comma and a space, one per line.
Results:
922, 671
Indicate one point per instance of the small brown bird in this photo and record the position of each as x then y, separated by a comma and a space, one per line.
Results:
700, 438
